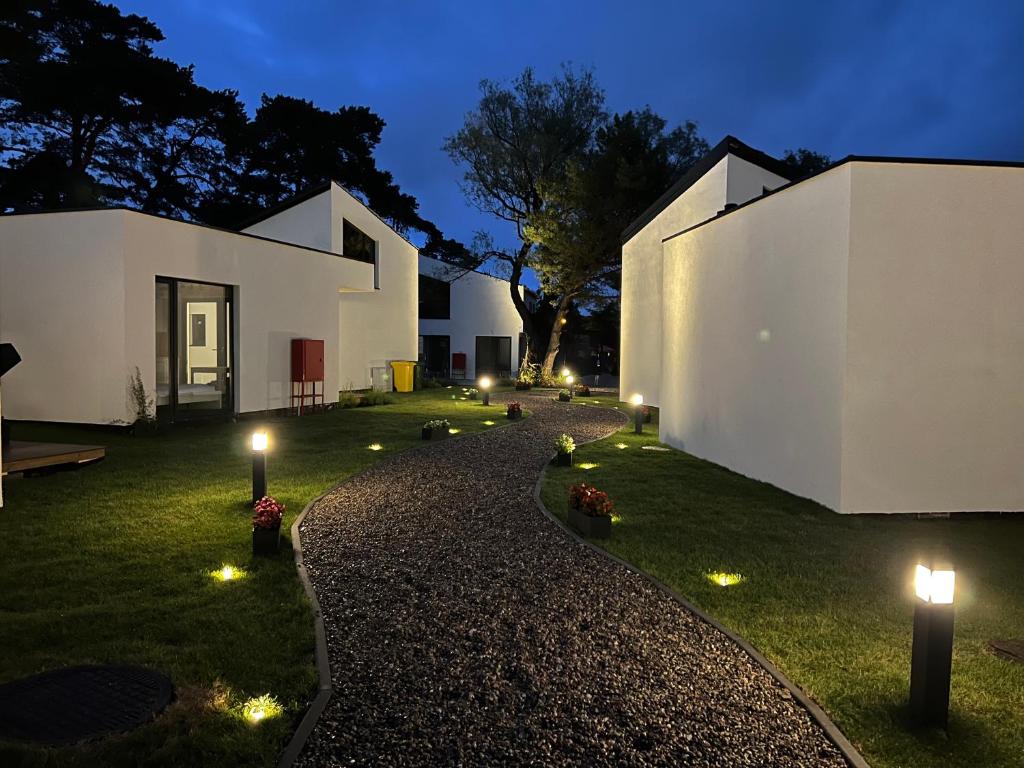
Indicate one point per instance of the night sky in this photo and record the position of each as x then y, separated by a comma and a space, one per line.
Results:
926, 78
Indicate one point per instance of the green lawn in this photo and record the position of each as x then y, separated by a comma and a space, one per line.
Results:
826, 597
110, 564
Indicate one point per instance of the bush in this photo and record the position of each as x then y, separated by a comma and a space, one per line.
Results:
548, 382
565, 444
374, 398
348, 399
268, 513
514, 409
590, 501
583, 390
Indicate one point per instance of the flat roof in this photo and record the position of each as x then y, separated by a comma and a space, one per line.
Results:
162, 217
730, 145
853, 159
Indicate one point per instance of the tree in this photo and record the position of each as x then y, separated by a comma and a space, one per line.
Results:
578, 232
76, 77
804, 162
516, 146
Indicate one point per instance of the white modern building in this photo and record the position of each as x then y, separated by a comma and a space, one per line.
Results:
468, 325
206, 315
855, 337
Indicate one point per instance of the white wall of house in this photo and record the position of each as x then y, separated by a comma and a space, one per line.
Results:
373, 328
933, 416
77, 297
481, 305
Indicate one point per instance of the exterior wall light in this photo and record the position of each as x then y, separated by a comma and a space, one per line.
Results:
485, 387
638, 413
259, 466
932, 649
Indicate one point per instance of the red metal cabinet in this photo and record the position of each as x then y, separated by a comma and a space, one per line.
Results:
307, 360
307, 368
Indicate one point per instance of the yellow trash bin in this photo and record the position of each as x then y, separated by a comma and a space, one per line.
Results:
404, 374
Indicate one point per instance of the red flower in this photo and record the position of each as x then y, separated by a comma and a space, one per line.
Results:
514, 408
268, 513
590, 501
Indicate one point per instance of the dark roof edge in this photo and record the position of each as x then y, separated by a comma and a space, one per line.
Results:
225, 230
730, 145
853, 159
310, 193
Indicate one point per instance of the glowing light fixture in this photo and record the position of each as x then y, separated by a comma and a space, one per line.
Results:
588, 465
621, 446
454, 431
931, 658
724, 579
228, 573
564, 321
565, 372
485, 386
638, 413
259, 442
489, 423
261, 708
375, 447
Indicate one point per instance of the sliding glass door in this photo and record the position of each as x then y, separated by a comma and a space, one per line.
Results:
193, 349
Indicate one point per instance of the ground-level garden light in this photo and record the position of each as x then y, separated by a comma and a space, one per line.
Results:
932, 646
485, 387
375, 447
261, 708
259, 465
638, 413
569, 381
228, 573
723, 579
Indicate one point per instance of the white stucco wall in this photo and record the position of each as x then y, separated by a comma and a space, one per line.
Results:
753, 345
933, 417
302, 224
481, 305
78, 295
641, 295
748, 180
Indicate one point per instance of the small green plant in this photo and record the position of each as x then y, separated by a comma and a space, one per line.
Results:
347, 399
141, 401
528, 370
374, 398
565, 444
439, 424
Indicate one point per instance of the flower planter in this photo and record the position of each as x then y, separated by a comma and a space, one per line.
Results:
563, 459
266, 541
562, 398
515, 416
426, 433
592, 527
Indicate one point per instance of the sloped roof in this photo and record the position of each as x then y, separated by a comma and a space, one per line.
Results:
730, 145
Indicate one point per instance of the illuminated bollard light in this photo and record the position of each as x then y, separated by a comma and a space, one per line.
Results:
570, 380
485, 388
932, 648
638, 413
259, 466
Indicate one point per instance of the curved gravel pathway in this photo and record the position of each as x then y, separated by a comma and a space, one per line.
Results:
465, 628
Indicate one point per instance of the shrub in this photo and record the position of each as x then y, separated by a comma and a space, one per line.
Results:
374, 398
590, 501
348, 399
268, 513
583, 390
437, 424
141, 401
514, 409
565, 443
550, 382
564, 395
528, 370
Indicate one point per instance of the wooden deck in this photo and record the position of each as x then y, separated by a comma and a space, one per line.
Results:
21, 456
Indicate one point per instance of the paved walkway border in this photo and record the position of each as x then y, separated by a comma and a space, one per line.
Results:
832, 732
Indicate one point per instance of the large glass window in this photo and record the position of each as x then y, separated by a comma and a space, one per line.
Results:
193, 348
494, 355
435, 299
356, 244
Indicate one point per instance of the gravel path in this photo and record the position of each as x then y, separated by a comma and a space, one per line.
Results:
464, 628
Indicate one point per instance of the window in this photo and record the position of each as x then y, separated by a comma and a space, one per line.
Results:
358, 245
494, 356
435, 299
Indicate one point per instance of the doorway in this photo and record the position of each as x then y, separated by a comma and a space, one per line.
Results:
194, 350
434, 356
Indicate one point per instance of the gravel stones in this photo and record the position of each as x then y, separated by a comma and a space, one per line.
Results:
464, 628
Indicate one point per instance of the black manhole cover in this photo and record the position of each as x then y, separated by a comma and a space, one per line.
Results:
77, 703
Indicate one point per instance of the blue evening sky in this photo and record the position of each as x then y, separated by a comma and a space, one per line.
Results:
928, 78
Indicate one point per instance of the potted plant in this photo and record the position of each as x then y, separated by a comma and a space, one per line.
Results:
590, 511
435, 428
582, 390
565, 445
514, 411
564, 395
266, 526
472, 393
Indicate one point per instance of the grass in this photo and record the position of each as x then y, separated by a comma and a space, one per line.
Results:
826, 597
119, 563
